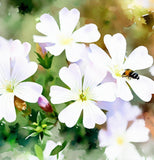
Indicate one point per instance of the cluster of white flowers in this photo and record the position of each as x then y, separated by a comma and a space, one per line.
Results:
15, 67
92, 78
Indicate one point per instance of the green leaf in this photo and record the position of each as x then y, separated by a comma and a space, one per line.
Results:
48, 120
32, 135
29, 128
39, 118
58, 148
48, 133
46, 61
39, 152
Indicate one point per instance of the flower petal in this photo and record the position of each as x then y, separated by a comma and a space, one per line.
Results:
137, 132
23, 70
92, 115
130, 112
60, 95
104, 92
48, 26
104, 138
112, 152
68, 19
123, 90
56, 49
138, 59
50, 145
151, 70
71, 76
74, 52
4, 47
116, 46
128, 152
117, 124
19, 50
41, 39
4, 69
70, 114
7, 107
99, 57
89, 80
28, 91
144, 87
87, 34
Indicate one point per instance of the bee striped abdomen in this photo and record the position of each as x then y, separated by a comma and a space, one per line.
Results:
130, 74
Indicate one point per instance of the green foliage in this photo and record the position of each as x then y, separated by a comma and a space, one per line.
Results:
46, 61
41, 127
38, 151
58, 148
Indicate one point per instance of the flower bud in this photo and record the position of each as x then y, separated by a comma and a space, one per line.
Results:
44, 104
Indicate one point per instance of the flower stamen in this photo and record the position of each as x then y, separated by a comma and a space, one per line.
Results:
120, 140
83, 97
65, 40
9, 87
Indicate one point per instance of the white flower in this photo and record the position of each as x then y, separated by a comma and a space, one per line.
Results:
152, 70
64, 38
50, 145
14, 49
118, 138
11, 85
125, 109
84, 96
118, 63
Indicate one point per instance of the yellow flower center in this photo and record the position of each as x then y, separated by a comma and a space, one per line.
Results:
120, 140
83, 97
117, 70
65, 40
9, 87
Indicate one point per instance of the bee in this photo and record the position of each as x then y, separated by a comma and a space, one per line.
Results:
130, 74
149, 19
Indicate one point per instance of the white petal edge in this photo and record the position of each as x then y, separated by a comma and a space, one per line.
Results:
72, 77
87, 34
55, 49
48, 26
117, 124
129, 152
71, 114
103, 138
137, 132
60, 95
99, 57
144, 87
104, 92
116, 46
112, 152
50, 145
123, 91
41, 39
7, 107
23, 69
74, 52
138, 59
68, 19
28, 91
93, 77
92, 115
4, 69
